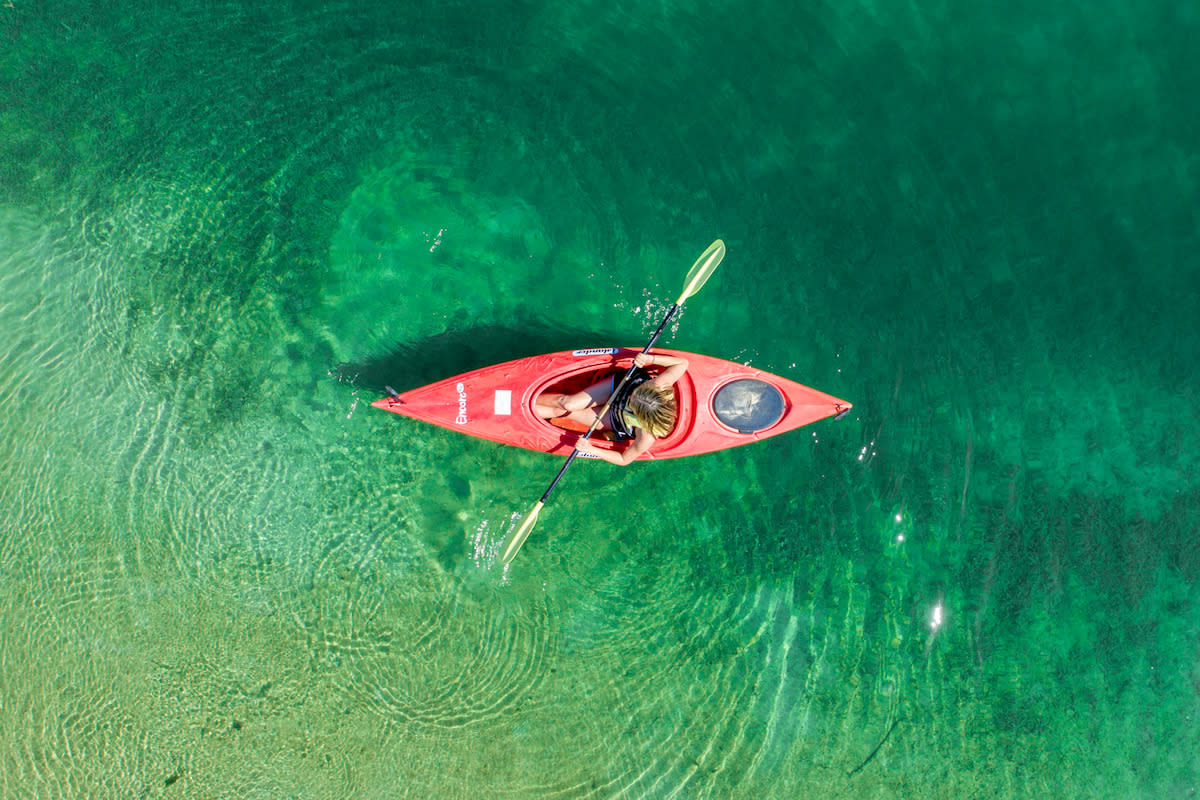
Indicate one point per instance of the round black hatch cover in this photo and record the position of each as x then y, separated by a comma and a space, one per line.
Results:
748, 405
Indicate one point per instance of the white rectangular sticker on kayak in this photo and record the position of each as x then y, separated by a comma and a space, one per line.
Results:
503, 403
596, 351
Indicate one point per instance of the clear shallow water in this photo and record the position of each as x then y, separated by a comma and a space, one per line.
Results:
223, 230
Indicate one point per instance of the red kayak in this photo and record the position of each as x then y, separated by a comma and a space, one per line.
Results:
720, 403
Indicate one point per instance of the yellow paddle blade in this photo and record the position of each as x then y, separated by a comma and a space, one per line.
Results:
518, 537
705, 265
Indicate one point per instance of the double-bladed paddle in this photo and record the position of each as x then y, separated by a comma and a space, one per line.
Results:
705, 265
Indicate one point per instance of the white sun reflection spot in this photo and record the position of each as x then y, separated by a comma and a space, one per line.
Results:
437, 239
900, 538
937, 617
479, 544
485, 546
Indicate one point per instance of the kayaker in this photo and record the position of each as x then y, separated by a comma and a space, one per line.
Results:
643, 413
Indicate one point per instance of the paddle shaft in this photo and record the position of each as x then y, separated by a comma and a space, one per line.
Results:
562, 471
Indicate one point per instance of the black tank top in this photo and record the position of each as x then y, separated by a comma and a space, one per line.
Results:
621, 428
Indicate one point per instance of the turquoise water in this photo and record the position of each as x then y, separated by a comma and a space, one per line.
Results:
223, 229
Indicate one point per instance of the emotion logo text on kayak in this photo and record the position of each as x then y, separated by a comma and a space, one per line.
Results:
461, 419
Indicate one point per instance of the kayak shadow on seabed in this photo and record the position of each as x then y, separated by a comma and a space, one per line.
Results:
408, 365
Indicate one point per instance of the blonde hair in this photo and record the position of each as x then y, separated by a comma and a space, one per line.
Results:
651, 408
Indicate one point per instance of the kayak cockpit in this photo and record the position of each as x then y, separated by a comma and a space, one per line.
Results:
580, 381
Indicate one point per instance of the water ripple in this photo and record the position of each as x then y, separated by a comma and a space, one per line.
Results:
434, 658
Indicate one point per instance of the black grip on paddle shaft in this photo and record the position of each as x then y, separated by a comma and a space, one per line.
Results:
563, 470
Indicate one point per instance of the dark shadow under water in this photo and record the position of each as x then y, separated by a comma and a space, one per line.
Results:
408, 365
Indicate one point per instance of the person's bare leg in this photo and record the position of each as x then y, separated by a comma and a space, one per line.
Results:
579, 406
551, 404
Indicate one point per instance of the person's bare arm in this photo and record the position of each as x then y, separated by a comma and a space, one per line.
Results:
675, 367
640, 444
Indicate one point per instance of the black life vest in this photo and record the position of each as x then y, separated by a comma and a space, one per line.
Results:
622, 429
